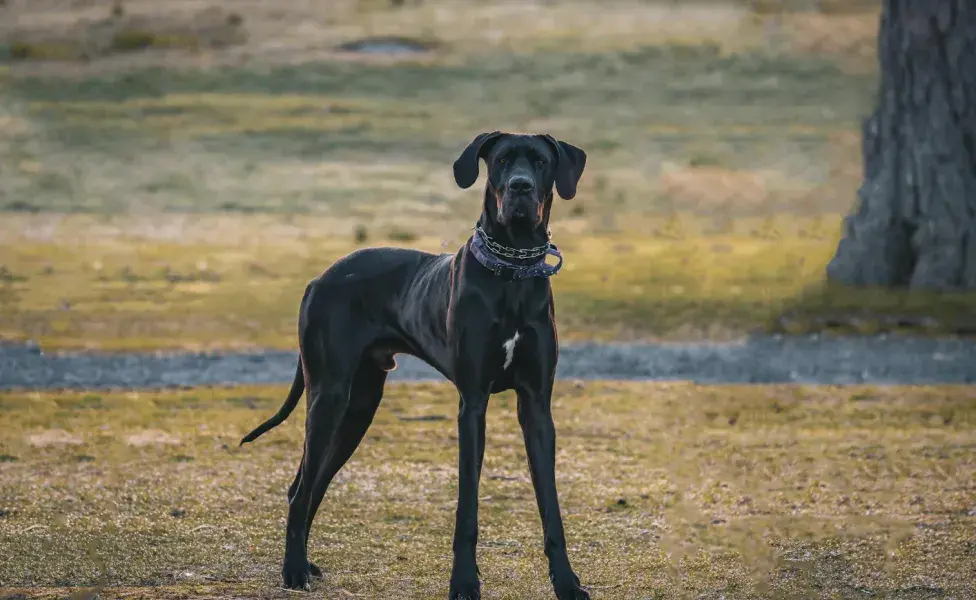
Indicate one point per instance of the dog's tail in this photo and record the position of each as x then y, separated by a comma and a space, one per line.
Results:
297, 387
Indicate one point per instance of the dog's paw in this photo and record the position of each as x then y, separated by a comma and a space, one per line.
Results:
465, 589
297, 575
567, 587
576, 593
315, 571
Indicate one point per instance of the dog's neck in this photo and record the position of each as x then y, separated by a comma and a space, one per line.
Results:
519, 234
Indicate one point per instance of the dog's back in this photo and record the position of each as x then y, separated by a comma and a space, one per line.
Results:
389, 294
372, 266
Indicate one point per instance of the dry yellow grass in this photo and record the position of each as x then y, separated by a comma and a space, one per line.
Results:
225, 282
668, 491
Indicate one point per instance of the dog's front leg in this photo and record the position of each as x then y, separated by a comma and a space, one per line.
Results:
465, 583
534, 390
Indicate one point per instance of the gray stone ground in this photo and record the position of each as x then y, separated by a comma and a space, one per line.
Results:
880, 360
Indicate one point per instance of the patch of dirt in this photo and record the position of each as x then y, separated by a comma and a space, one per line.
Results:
152, 437
845, 165
853, 35
846, 161
707, 187
54, 437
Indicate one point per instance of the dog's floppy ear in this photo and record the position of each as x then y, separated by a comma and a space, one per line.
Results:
569, 169
466, 166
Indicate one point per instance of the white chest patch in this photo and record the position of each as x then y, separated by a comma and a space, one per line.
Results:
509, 347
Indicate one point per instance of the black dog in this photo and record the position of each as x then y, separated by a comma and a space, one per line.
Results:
482, 317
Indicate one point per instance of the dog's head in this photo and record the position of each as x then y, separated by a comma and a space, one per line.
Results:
522, 170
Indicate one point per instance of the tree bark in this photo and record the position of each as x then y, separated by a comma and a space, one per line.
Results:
915, 221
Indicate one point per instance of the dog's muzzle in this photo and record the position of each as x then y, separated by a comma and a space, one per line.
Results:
519, 200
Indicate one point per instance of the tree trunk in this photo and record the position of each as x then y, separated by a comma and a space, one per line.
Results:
915, 221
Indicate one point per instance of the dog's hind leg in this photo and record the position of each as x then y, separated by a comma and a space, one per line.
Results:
330, 378
367, 392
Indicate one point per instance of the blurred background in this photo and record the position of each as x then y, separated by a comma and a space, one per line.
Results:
174, 173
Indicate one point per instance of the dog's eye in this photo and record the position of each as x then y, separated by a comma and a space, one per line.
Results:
540, 162
501, 161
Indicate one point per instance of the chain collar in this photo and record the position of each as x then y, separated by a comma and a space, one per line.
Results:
486, 251
507, 252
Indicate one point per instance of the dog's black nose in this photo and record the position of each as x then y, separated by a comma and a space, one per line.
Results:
521, 185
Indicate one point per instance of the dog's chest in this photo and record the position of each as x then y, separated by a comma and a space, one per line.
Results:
516, 315
508, 347
511, 328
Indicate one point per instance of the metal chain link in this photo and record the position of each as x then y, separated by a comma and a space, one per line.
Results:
520, 253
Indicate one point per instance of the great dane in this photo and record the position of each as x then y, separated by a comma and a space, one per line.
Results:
483, 317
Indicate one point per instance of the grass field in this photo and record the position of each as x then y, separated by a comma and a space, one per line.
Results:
666, 129
668, 491
233, 282
687, 108
180, 195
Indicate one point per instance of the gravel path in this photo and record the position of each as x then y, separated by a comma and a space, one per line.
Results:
881, 360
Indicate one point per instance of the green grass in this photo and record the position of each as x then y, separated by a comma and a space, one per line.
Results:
224, 282
668, 491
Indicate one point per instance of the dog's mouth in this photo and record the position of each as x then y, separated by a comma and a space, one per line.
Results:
519, 207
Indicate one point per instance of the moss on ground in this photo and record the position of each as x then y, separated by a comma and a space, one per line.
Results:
668, 491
